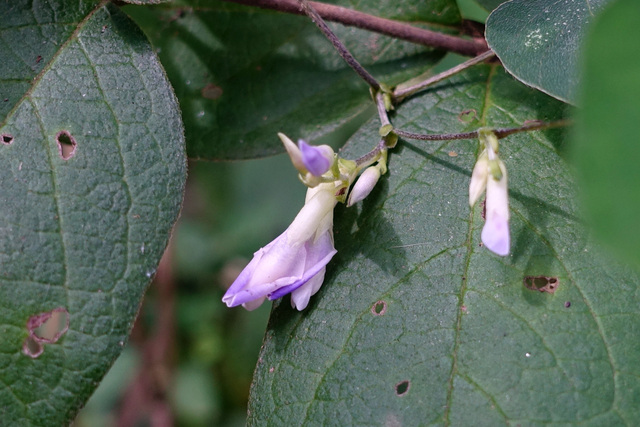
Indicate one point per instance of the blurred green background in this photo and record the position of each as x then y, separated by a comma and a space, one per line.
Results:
203, 377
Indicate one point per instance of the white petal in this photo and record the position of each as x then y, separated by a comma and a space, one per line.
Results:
495, 234
253, 304
307, 221
300, 297
294, 153
478, 182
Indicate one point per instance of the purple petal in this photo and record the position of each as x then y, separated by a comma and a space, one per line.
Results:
273, 266
314, 159
318, 255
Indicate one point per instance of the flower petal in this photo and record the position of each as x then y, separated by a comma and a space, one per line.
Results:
308, 219
274, 266
495, 234
318, 255
300, 297
478, 182
318, 159
294, 153
253, 304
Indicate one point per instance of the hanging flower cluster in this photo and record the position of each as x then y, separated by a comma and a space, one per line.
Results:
295, 262
490, 174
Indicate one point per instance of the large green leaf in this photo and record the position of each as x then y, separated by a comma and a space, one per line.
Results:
538, 41
606, 139
418, 324
243, 74
93, 171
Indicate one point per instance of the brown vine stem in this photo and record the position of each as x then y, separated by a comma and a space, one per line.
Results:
338, 45
500, 133
403, 92
389, 27
372, 155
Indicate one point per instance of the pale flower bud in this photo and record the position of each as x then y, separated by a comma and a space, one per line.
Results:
364, 185
294, 153
317, 159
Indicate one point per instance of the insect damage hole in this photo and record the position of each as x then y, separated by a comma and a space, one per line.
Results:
32, 348
7, 139
43, 328
541, 283
402, 388
66, 144
379, 308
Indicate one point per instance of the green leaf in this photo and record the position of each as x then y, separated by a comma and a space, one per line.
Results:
606, 138
418, 324
243, 74
490, 4
93, 172
538, 41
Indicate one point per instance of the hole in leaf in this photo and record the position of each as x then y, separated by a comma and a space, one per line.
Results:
402, 388
50, 326
467, 116
32, 348
541, 283
66, 144
43, 328
379, 308
7, 139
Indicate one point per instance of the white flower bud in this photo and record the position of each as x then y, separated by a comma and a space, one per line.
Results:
294, 153
364, 185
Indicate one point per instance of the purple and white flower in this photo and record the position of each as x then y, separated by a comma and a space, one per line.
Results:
295, 262
308, 159
490, 175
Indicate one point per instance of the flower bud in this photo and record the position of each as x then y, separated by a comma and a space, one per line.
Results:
294, 153
317, 159
364, 185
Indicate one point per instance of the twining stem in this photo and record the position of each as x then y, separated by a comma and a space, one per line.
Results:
500, 133
403, 92
395, 29
373, 155
340, 47
382, 110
